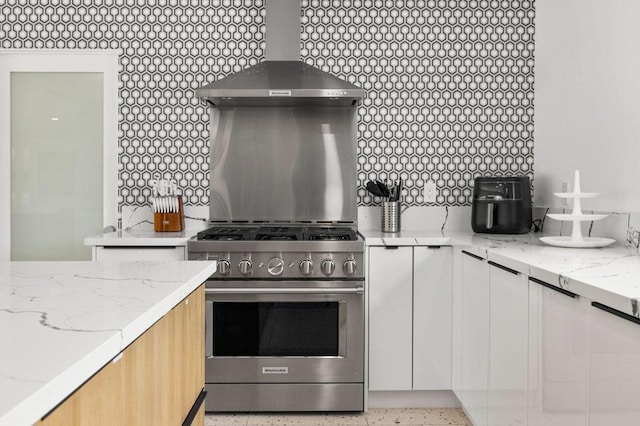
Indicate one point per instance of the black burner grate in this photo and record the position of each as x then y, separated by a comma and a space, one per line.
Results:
277, 233
331, 234
219, 233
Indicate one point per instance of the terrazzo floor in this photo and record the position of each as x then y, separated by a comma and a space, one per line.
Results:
375, 416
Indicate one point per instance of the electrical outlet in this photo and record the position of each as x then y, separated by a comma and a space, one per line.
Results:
430, 192
565, 188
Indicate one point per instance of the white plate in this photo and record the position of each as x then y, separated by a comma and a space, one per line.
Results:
579, 217
587, 242
576, 194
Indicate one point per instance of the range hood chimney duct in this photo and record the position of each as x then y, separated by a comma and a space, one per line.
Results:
282, 32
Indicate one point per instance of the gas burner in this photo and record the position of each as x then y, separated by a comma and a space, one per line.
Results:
221, 233
279, 234
276, 237
331, 234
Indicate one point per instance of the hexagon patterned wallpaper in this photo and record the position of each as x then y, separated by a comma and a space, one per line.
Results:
449, 83
167, 49
449, 87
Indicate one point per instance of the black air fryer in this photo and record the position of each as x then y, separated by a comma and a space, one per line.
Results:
501, 205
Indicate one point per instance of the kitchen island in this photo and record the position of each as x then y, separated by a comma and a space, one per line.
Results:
62, 322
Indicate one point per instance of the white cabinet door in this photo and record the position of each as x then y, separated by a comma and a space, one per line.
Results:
390, 318
140, 253
614, 368
432, 314
508, 347
474, 320
558, 355
456, 324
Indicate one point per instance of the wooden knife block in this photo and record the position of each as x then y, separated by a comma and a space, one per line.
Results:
170, 222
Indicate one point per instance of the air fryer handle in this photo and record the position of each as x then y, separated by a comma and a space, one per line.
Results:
489, 215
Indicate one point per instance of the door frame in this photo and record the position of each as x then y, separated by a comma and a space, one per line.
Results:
60, 60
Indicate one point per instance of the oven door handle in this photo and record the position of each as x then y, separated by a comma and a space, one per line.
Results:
271, 290
208, 327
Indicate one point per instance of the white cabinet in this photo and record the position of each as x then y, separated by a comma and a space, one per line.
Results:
614, 367
390, 318
474, 336
558, 356
432, 305
409, 318
160, 253
530, 353
507, 347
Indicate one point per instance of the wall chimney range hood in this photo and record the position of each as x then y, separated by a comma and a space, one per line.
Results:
282, 79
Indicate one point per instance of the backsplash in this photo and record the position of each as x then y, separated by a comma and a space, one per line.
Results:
449, 84
449, 88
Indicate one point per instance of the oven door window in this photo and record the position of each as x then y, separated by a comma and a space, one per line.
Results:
276, 328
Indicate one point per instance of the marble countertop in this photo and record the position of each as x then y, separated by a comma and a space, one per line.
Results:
140, 238
609, 275
60, 322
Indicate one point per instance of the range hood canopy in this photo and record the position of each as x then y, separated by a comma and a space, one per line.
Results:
280, 82
282, 79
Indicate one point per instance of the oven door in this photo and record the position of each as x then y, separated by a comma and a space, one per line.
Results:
284, 332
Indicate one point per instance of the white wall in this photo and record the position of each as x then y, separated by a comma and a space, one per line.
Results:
587, 101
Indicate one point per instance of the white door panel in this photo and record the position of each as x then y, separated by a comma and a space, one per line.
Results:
58, 151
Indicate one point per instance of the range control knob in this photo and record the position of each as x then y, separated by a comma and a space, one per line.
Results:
306, 266
223, 267
275, 266
328, 266
349, 267
245, 266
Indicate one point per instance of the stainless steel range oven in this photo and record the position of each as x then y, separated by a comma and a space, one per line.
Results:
284, 318
285, 309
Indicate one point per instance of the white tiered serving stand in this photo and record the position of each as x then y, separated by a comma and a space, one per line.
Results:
576, 240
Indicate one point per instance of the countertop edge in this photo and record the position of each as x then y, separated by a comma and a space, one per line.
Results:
140, 238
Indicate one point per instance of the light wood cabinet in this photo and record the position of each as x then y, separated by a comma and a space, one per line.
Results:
99, 401
155, 380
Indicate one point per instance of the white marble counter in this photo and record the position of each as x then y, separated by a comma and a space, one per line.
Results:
60, 322
140, 238
609, 275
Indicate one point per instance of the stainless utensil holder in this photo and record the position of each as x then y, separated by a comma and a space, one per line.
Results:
391, 216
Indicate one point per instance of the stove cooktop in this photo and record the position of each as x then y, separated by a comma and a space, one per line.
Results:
277, 233
280, 252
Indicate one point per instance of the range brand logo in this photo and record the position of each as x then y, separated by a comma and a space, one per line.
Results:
275, 370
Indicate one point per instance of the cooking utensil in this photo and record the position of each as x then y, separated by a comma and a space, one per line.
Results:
373, 189
384, 190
